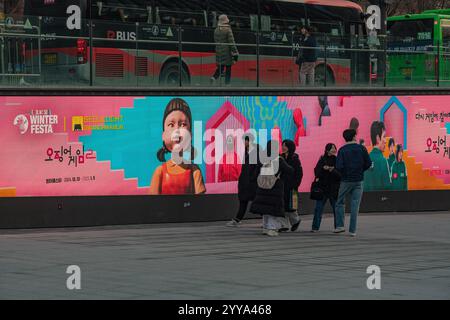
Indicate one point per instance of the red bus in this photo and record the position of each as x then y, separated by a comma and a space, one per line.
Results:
170, 42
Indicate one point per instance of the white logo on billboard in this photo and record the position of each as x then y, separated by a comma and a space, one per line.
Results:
21, 122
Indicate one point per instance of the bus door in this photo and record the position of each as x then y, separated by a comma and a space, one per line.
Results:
359, 55
198, 54
276, 64
19, 41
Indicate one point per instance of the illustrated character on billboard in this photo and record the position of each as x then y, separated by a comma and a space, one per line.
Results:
378, 177
323, 102
229, 168
354, 124
170, 177
298, 120
391, 146
399, 173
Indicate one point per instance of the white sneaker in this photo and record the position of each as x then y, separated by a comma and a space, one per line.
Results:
272, 233
352, 234
314, 231
232, 223
339, 230
265, 231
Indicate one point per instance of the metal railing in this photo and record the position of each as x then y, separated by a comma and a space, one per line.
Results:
151, 56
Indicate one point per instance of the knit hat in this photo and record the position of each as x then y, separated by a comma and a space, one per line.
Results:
178, 104
223, 20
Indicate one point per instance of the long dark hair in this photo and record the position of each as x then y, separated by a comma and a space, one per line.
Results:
290, 145
328, 147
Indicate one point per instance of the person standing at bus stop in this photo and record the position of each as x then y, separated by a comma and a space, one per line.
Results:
307, 57
226, 51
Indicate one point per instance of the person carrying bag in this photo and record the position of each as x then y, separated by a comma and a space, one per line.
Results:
325, 186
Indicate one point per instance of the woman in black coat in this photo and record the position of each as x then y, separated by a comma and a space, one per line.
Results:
291, 185
247, 179
270, 202
329, 181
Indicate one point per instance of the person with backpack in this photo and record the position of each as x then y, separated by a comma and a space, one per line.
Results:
269, 200
328, 179
291, 185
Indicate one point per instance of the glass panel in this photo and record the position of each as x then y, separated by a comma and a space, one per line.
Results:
158, 56
206, 68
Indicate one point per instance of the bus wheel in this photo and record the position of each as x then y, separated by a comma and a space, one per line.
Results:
170, 75
320, 72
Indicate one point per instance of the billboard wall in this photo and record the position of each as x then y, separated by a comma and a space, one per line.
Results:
101, 146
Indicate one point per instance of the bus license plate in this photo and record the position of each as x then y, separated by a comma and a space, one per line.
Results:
50, 58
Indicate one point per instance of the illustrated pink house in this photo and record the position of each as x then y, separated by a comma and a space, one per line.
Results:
227, 117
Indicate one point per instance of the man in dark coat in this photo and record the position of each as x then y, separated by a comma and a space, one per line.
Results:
247, 180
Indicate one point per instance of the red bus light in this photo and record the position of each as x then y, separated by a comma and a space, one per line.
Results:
81, 51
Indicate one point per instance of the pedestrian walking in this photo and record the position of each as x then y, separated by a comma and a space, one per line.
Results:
352, 161
226, 51
291, 185
269, 200
328, 178
247, 179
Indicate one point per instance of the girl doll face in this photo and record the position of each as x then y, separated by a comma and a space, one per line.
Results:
177, 130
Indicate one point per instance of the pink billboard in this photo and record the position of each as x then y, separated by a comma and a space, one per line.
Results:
92, 146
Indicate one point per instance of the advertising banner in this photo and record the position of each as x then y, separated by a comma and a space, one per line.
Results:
95, 146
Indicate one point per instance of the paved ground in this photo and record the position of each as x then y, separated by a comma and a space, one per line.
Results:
209, 261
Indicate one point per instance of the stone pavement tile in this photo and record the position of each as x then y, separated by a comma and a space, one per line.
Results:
205, 260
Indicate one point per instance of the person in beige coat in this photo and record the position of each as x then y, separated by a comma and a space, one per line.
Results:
226, 51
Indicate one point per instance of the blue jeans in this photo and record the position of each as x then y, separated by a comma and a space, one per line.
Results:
320, 204
355, 189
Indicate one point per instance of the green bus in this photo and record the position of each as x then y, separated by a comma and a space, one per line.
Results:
418, 49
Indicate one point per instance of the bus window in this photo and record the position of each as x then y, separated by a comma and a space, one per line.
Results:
122, 10
181, 12
52, 8
238, 11
12, 8
284, 16
413, 35
445, 24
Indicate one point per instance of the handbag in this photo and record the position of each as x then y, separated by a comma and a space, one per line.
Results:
316, 190
267, 181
